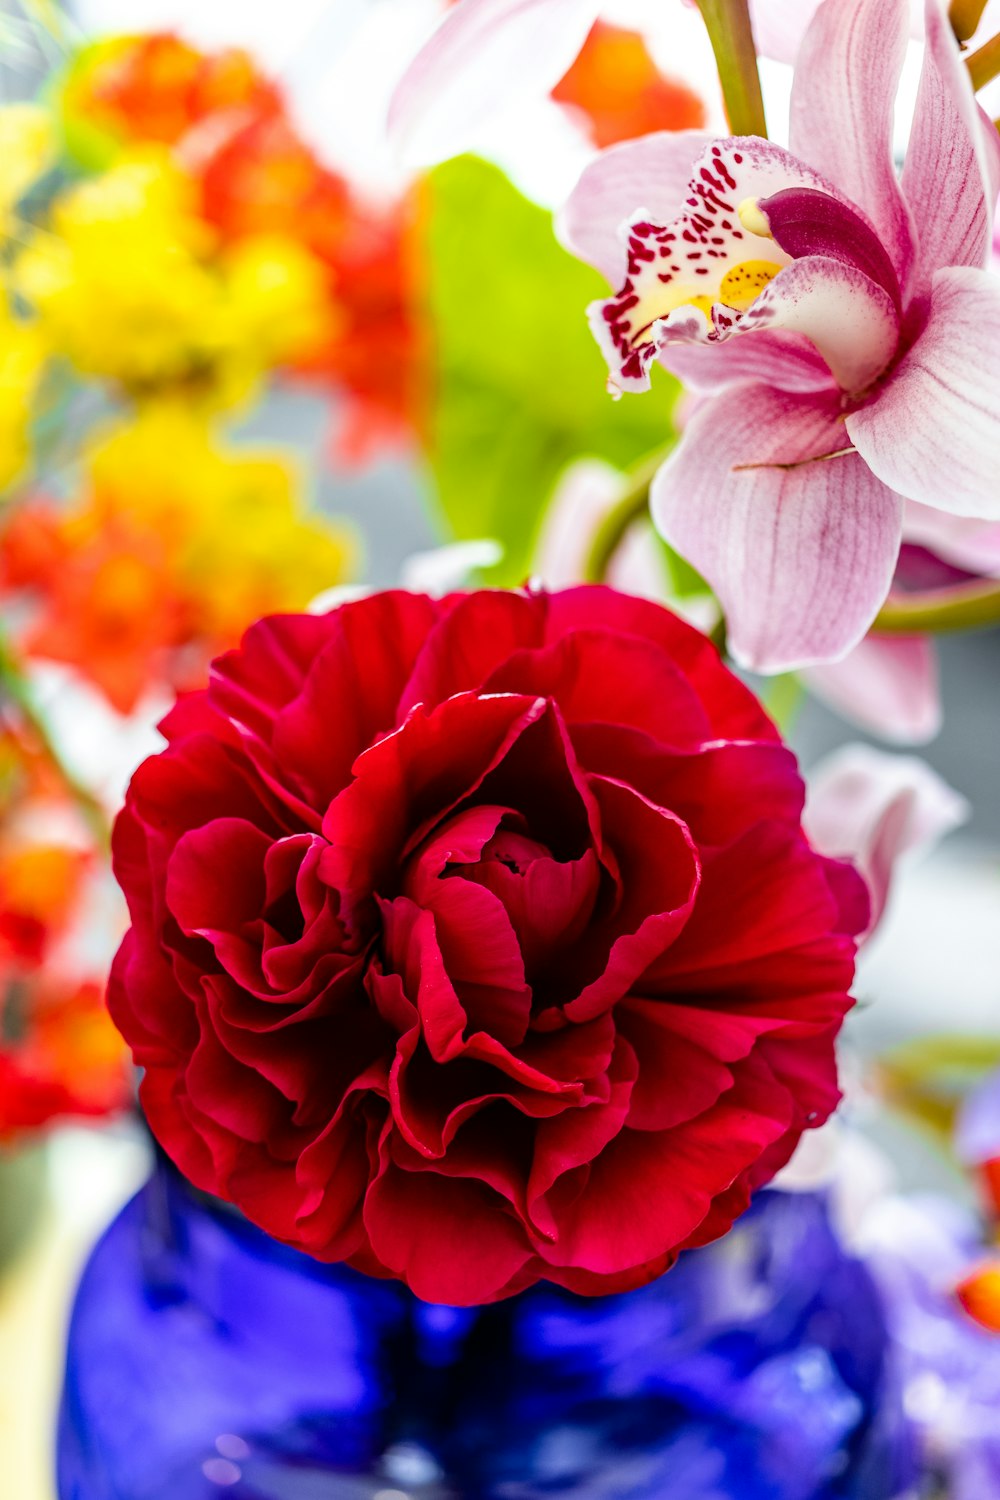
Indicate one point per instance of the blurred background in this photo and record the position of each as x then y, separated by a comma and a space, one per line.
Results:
253, 360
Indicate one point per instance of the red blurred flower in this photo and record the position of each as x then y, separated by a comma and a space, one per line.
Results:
67, 1060
618, 87
478, 941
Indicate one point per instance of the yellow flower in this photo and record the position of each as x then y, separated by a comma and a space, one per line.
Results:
22, 359
241, 542
130, 286
27, 149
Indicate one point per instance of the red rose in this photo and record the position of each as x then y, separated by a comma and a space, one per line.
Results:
478, 941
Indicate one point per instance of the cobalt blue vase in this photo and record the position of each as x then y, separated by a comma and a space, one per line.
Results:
206, 1360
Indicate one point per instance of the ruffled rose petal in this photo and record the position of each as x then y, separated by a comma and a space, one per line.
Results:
733, 711
933, 432
799, 547
719, 790
605, 677
641, 1191
762, 898
660, 875
415, 1220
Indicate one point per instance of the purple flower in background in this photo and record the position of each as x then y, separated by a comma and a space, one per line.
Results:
919, 1250
839, 319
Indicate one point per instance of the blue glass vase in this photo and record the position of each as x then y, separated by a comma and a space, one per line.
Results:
206, 1360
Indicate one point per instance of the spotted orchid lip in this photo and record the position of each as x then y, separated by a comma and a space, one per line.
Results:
806, 221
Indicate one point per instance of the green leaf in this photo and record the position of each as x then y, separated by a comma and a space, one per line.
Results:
521, 385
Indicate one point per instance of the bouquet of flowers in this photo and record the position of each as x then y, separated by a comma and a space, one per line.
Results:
487, 953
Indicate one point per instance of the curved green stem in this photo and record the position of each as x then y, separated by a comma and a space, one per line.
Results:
984, 63
965, 16
630, 507
731, 34
966, 606
15, 686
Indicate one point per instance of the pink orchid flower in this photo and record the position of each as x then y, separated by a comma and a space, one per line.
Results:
875, 809
840, 319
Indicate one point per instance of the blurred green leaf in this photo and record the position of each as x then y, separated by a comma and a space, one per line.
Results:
521, 387
928, 1078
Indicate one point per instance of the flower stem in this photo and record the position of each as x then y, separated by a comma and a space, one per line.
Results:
966, 606
14, 685
731, 34
629, 508
965, 16
984, 64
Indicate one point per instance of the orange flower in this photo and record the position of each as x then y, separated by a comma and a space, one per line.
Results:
618, 87
109, 606
158, 88
979, 1294
174, 547
39, 886
262, 178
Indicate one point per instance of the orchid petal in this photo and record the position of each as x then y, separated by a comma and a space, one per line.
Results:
705, 254
933, 433
787, 361
952, 172
780, 25
852, 321
872, 808
652, 171
806, 222
971, 545
800, 553
843, 97
484, 56
888, 684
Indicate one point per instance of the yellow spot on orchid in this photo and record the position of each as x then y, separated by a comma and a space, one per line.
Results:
743, 284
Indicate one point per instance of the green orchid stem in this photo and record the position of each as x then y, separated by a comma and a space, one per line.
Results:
967, 606
965, 16
631, 507
984, 64
731, 34
15, 686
